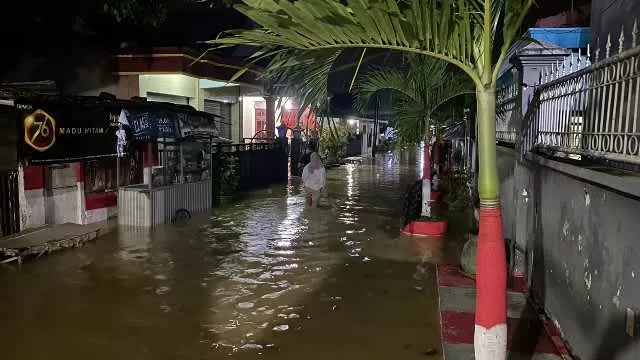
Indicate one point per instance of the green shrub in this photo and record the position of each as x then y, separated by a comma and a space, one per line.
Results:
457, 197
333, 143
229, 178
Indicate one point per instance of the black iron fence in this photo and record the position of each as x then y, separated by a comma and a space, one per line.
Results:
9, 203
254, 165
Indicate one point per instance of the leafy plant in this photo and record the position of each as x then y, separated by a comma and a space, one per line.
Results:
456, 186
333, 142
418, 89
229, 178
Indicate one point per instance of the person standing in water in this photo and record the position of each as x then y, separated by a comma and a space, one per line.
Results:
313, 178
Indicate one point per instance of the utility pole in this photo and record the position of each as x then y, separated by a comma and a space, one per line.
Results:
376, 126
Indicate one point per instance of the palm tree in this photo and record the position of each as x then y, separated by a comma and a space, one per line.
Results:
418, 89
460, 32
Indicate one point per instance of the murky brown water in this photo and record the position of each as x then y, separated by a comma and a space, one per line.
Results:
264, 278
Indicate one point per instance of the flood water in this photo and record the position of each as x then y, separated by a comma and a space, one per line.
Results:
262, 278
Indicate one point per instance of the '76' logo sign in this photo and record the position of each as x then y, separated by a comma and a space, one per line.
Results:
39, 130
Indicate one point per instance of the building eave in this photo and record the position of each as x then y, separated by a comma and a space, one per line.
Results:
168, 60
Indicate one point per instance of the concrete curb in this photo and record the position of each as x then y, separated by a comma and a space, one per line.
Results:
456, 293
33, 244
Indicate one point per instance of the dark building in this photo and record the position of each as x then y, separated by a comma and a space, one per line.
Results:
610, 17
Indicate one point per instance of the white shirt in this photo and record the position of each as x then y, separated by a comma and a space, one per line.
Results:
313, 180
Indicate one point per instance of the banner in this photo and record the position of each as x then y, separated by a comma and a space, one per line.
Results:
155, 124
65, 131
307, 119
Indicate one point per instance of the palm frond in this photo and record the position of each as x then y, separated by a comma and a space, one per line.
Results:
456, 31
384, 80
419, 90
303, 74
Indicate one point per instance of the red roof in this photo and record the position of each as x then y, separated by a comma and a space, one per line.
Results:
184, 61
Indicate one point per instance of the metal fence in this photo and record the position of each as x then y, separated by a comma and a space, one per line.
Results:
580, 108
259, 164
507, 109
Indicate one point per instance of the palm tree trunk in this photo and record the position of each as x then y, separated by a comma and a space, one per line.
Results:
490, 339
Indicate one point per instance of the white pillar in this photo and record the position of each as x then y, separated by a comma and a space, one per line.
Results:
426, 197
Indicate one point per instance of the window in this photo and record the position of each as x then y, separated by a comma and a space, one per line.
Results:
100, 175
261, 123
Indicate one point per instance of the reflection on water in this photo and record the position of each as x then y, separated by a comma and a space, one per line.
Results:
265, 278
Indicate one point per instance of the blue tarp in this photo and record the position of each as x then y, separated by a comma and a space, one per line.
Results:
568, 38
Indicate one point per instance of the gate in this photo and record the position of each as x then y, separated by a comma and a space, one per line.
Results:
9, 203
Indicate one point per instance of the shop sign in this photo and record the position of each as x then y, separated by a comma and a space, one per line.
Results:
57, 131
152, 125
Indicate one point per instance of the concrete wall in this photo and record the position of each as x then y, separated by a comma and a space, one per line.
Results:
172, 84
32, 200
506, 160
54, 194
62, 194
123, 87
580, 231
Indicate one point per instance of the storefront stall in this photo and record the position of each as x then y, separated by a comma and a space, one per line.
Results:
80, 153
68, 148
176, 150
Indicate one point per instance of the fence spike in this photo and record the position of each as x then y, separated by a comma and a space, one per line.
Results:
571, 63
608, 46
634, 33
597, 58
579, 62
540, 78
621, 40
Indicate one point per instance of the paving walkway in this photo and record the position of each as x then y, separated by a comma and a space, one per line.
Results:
49, 239
529, 337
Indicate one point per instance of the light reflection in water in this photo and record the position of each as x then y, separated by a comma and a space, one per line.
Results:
265, 276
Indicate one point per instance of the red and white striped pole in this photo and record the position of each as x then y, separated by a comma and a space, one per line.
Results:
490, 337
426, 180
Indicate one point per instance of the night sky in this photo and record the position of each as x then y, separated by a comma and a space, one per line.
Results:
37, 31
